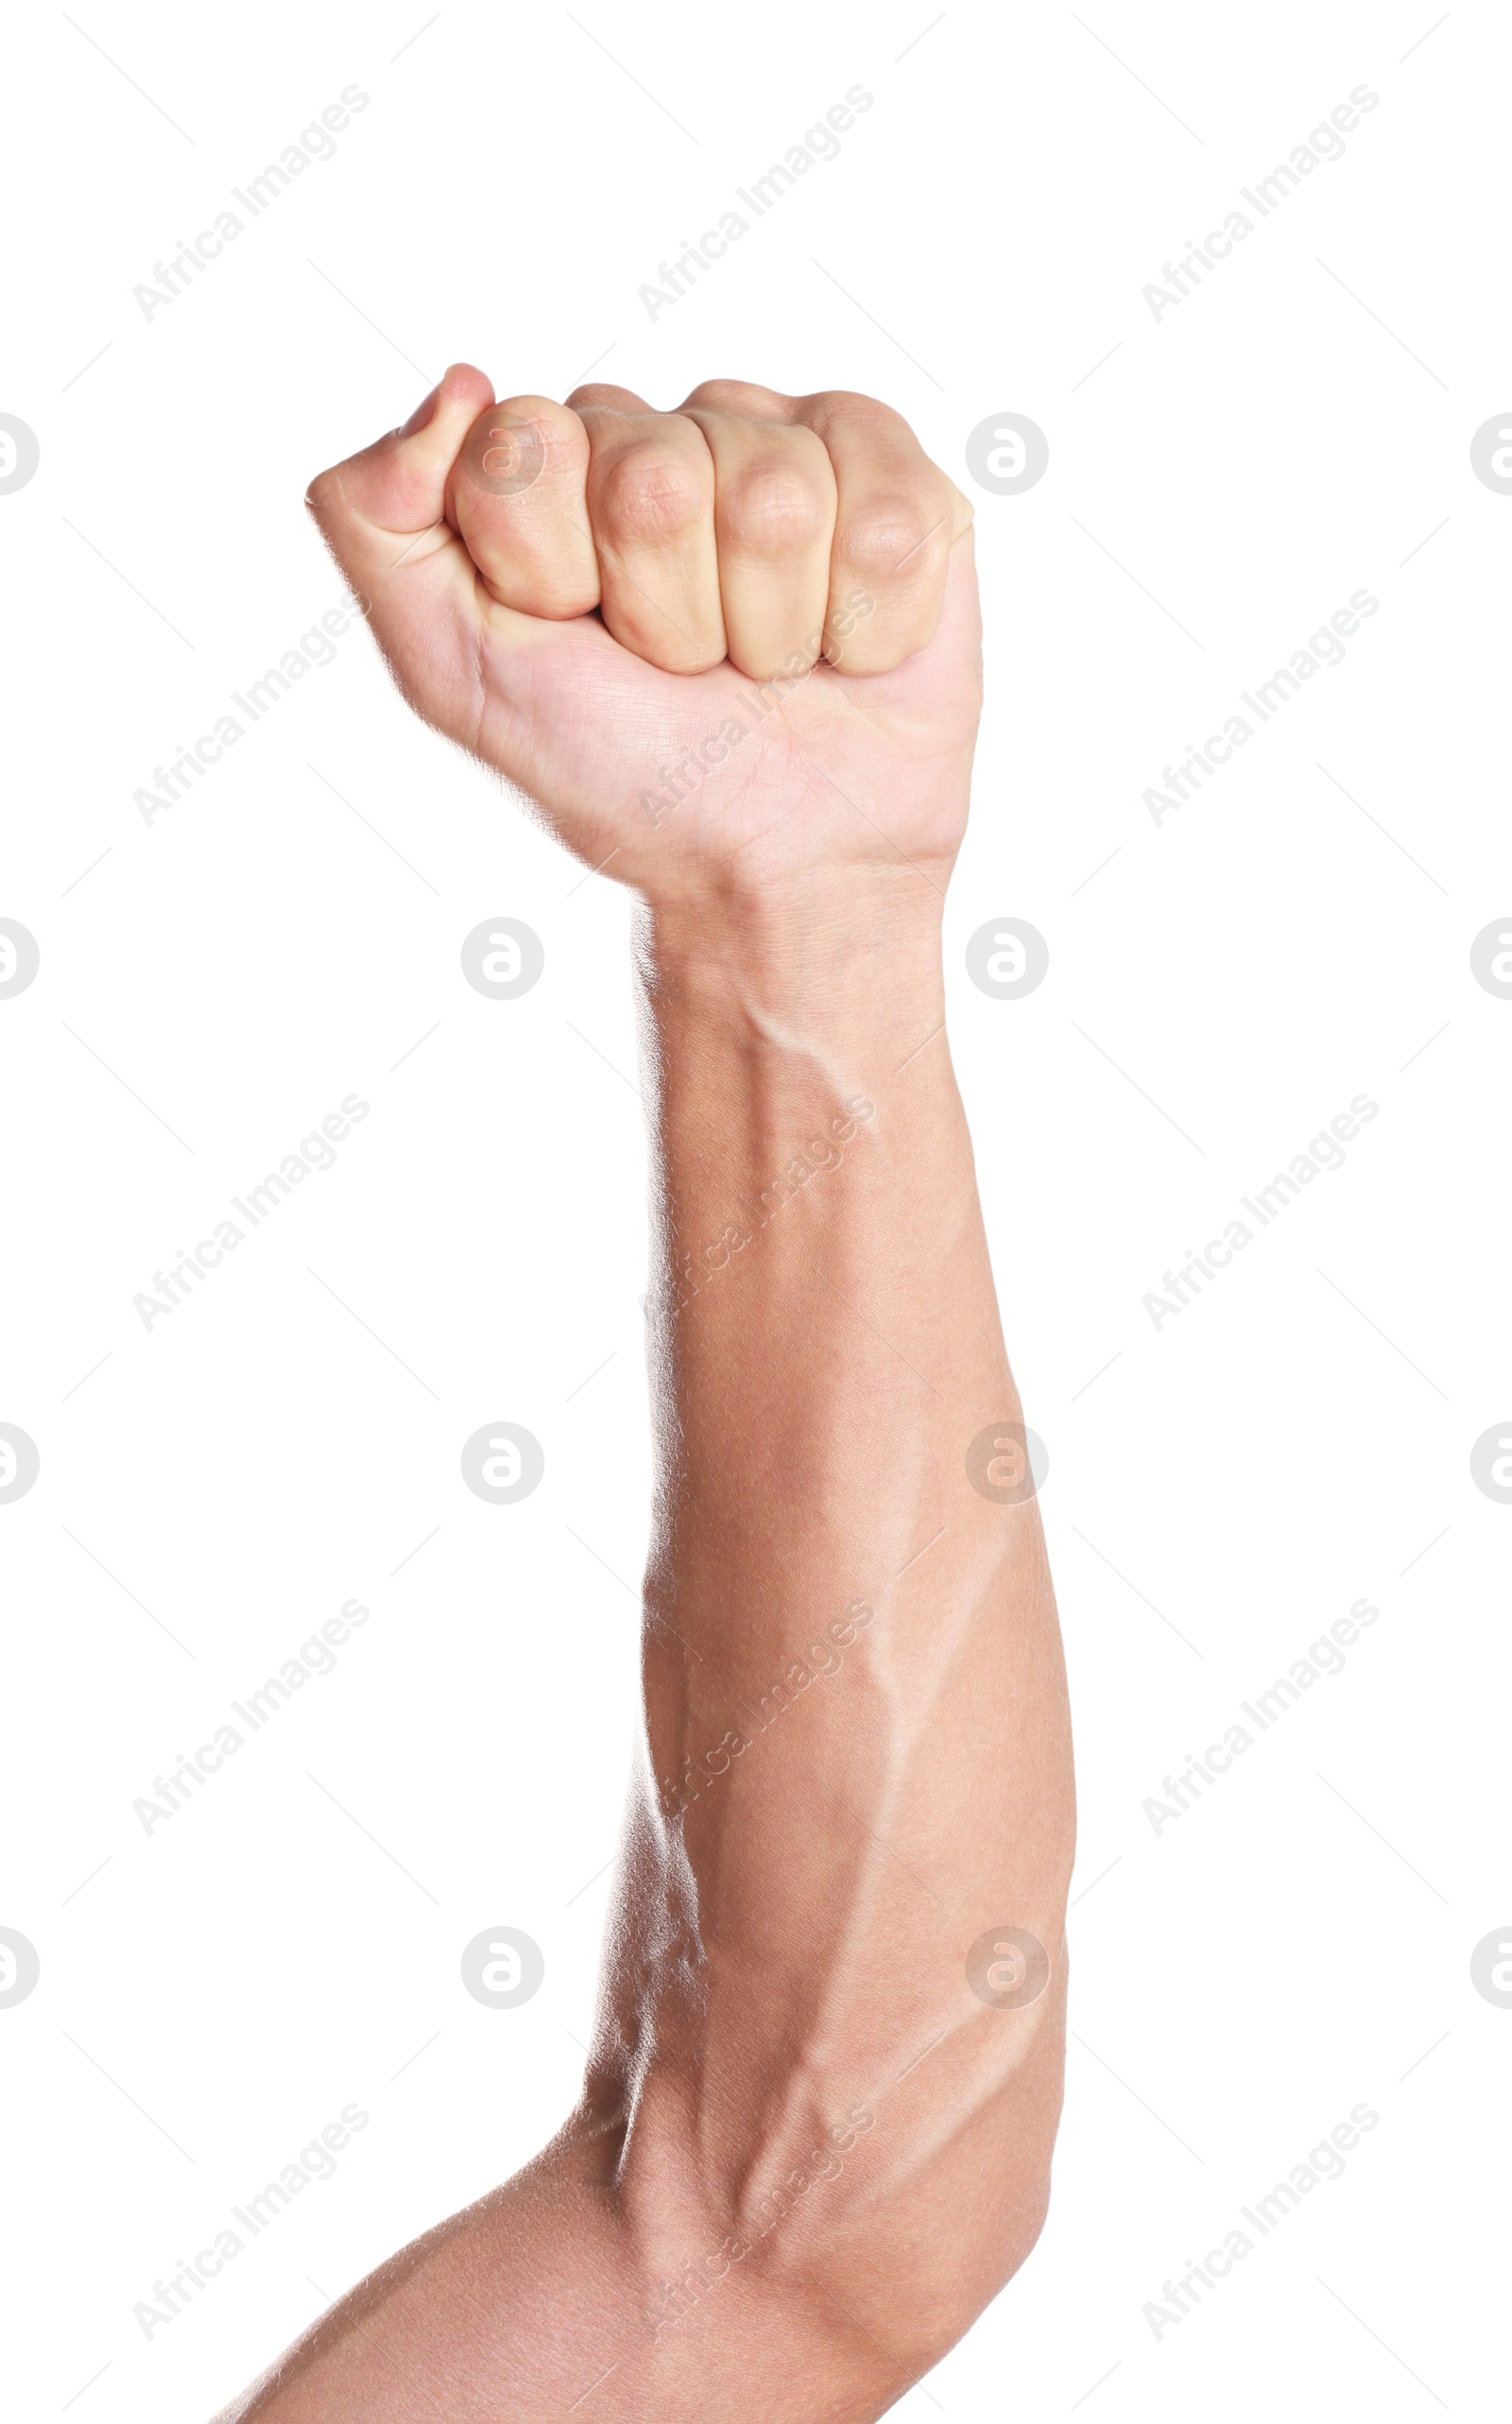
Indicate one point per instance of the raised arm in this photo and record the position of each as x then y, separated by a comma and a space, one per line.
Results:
815, 2131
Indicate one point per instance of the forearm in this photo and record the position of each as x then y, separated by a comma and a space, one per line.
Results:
856, 1725
814, 2134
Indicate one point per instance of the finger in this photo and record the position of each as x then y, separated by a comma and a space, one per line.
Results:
955, 649
381, 514
397, 487
613, 399
774, 521
742, 396
651, 511
517, 496
897, 520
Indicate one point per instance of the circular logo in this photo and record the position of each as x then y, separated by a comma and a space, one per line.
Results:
19, 958
503, 958
1008, 959
19, 452
1490, 1463
19, 1967
1007, 1968
502, 456
502, 1967
502, 1463
1491, 453
1007, 454
1491, 958
1491, 1968
1006, 1463
19, 1463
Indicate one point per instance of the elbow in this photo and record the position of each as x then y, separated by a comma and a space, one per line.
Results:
907, 2235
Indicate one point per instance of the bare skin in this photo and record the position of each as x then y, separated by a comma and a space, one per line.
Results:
733, 655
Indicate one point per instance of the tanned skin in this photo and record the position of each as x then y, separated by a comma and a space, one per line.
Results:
732, 655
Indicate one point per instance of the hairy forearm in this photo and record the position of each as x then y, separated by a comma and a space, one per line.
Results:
857, 1743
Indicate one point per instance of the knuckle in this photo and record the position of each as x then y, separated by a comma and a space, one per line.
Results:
650, 493
846, 410
850, 401
770, 510
561, 438
735, 395
510, 448
885, 538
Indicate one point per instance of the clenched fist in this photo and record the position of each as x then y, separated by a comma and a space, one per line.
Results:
718, 647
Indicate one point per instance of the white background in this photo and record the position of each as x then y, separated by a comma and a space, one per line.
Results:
214, 985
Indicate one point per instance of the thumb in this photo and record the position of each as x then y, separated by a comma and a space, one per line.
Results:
397, 487
381, 514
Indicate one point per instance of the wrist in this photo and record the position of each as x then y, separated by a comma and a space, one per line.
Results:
834, 952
